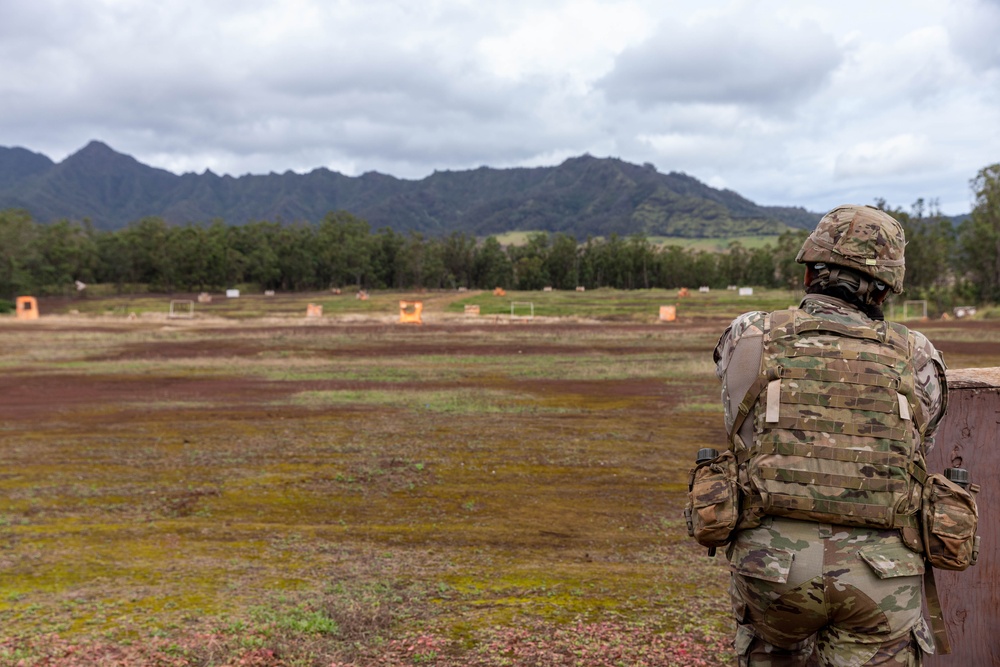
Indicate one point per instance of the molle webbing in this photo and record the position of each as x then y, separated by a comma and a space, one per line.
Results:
848, 377
788, 322
836, 422
806, 450
850, 482
836, 427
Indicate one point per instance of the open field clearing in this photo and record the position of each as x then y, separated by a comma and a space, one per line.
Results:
707, 244
252, 487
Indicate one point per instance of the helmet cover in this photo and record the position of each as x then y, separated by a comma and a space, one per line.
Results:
862, 238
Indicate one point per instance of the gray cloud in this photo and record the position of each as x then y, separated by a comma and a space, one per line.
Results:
974, 28
786, 103
724, 63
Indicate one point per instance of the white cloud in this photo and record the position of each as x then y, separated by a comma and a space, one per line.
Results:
901, 154
689, 149
785, 102
576, 40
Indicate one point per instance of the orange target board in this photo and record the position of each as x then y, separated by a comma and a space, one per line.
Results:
410, 312
27, 308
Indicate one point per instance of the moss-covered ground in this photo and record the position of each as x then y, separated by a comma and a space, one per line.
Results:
360, 492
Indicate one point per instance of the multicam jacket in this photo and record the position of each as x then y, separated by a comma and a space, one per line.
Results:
830, 412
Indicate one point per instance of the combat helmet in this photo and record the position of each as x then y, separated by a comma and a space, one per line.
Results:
862, 238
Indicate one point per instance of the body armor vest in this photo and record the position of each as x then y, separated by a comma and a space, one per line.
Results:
837, 424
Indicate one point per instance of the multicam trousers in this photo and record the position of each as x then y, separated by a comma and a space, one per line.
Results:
808, 593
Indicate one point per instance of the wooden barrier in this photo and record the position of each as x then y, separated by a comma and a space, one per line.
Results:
967, 438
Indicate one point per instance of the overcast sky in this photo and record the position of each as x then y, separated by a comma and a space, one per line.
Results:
793, 102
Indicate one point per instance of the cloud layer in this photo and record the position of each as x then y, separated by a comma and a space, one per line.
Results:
805, 104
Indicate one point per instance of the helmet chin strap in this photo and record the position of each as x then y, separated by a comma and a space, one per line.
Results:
866, 289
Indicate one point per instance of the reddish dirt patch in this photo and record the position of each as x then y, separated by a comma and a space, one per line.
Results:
32, 397
27, 397
249, 348
974, 349
430, 341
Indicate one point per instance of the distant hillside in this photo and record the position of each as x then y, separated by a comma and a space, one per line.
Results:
582, 196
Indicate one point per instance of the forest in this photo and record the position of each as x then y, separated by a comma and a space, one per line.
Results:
947, 264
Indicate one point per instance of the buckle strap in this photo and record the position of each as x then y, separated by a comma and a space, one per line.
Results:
750, 398
936, 613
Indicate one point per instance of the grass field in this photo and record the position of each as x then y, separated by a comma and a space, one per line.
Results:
252, 487
698, 244
604, 305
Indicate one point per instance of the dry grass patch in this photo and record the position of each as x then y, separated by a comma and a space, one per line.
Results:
256, 506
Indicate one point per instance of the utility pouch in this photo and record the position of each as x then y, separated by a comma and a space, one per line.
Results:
949, 518
713, 507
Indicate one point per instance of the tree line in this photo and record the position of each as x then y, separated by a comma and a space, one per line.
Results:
946, 263
341, 251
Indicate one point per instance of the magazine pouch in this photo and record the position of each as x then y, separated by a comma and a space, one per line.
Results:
713, 507
949, 522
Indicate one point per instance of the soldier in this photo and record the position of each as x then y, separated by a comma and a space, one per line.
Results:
829, 410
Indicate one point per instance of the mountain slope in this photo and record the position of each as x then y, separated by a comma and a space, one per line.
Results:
582, 196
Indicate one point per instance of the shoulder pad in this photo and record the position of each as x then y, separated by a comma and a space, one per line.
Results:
924, 351
748, 324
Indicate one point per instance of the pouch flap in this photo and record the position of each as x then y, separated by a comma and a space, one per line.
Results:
744, 638
761, 561
892, 560
923, 636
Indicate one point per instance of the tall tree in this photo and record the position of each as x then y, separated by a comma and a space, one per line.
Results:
529, 262
980, 235
295, 247
492, 266
343, 249
247, 253
421, 263
458, 252
186, 256
787, 272
639, 262
386, 248
67, 252
563, 262
674, 267
930, 252
18, 253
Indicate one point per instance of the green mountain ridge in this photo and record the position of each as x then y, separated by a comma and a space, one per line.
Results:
583, 196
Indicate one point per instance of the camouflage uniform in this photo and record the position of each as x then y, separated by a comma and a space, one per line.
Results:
808, 592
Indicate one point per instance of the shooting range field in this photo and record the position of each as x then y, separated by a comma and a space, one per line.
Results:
248, 484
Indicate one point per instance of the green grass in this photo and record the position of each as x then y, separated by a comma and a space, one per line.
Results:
474, 401
629, 306
715, 244
698, 244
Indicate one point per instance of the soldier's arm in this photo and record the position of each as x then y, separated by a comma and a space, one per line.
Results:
737, 360
932, 386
